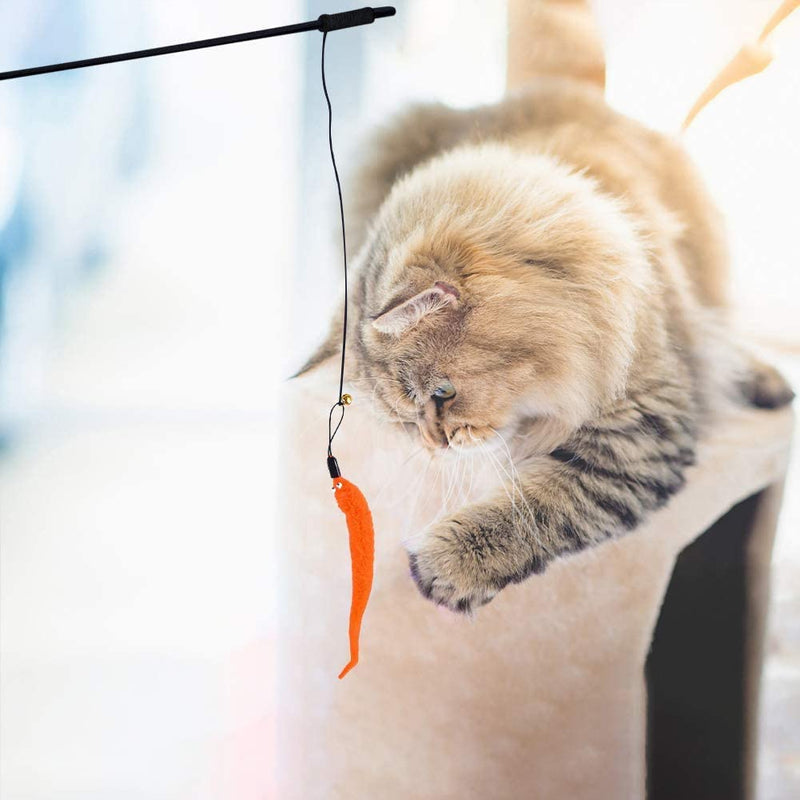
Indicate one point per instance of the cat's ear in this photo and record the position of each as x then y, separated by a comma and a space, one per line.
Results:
405, 315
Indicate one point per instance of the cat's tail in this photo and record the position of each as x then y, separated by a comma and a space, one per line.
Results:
553, 37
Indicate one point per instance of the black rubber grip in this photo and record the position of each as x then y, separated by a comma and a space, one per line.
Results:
349, 19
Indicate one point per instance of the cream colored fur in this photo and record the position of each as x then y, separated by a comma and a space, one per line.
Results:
553, 38
586, 325
583, 329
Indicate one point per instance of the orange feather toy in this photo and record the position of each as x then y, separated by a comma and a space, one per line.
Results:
362, 556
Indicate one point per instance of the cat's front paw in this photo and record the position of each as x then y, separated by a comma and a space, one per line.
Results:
444, 572
462, 564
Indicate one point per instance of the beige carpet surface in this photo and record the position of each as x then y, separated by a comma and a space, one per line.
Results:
541, 695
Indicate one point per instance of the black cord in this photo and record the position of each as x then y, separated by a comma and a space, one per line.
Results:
339, 402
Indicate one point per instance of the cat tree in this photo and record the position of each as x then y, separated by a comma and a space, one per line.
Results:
545, 693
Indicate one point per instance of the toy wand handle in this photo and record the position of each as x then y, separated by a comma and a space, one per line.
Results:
325, 23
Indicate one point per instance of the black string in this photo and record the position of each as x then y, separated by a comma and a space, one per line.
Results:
330, 424
340, 403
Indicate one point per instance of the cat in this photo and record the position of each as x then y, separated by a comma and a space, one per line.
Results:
545, 274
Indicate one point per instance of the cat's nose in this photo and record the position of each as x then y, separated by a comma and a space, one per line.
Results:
432, 436
430, 427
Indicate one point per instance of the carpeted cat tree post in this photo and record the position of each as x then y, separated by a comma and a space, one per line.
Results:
545, 693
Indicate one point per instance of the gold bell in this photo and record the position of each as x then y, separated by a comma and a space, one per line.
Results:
347, 399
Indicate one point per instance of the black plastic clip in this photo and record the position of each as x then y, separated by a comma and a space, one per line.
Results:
333, 467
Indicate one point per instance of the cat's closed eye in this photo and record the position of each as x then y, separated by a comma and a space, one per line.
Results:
547, 265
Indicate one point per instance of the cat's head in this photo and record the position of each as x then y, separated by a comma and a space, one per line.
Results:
494, 289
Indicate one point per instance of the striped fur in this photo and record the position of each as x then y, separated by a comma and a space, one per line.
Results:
597, 485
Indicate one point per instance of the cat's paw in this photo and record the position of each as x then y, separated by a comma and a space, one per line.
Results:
440, 567
463, 564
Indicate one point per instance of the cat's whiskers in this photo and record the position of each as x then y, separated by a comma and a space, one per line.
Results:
471, 474
516, 481
514, 472
374, 381
452, 481
502, 441
525, 514
398, 421
511, 495
376, 378
457, 479
435, 483
511, 465
420, 488
393, 479
357, 382
463, 478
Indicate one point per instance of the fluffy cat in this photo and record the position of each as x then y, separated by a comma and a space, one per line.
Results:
546, 273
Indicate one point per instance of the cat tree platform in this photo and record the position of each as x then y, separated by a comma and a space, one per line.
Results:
626, 671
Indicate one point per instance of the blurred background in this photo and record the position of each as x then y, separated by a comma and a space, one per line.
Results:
168, 256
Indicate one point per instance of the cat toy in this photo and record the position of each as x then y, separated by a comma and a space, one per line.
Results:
349, 497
